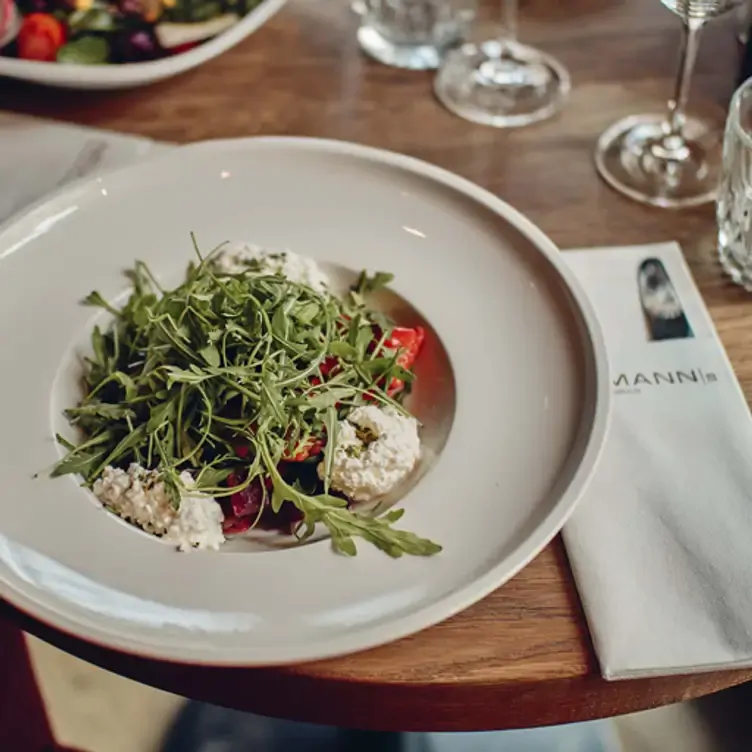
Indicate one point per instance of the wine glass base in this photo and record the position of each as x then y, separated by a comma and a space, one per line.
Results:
503, 84
410, 56
631, 157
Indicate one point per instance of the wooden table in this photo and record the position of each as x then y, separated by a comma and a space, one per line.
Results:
523, 656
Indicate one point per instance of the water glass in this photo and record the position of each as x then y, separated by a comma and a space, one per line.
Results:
502, 82
413, 33
734, 206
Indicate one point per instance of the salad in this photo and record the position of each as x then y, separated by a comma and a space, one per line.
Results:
250, 396
113, 31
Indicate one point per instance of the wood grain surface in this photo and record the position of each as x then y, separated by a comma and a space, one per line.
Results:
522, 657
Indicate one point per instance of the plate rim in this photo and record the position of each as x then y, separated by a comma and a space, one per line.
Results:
592, 437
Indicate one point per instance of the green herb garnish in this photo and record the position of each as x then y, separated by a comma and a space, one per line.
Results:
184, 377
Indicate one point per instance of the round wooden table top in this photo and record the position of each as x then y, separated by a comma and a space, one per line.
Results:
522, 657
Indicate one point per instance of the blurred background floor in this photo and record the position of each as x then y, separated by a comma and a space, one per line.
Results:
97, 711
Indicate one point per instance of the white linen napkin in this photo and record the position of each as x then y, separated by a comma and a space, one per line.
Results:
37, 156
661, 545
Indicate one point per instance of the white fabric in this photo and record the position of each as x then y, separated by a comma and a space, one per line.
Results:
38, 156
661, 545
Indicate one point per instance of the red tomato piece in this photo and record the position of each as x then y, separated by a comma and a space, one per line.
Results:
310, 448
40, 37
409, 343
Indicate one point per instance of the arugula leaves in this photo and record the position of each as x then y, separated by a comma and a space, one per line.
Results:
182, 378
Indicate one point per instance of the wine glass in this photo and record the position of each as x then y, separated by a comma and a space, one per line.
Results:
501, 82
670, 160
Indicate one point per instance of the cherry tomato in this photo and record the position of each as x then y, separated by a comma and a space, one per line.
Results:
40, 37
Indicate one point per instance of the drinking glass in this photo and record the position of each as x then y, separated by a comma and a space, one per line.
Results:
670, 160
501, 82
412, 33
734, 207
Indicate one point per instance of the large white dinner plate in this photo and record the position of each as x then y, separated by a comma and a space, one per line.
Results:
128, 75
528, 370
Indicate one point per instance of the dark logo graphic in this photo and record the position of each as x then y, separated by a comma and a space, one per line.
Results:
664, 316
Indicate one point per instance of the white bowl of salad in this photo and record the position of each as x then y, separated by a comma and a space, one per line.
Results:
114, 44
157, 431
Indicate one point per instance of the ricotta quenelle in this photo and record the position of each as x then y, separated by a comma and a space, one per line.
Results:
139, 496
236, 258
376, 449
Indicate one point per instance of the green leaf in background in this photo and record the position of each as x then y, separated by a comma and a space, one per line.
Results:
96, 18
84, 51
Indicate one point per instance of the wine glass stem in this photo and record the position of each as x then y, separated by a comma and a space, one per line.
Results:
509, 16
678, 104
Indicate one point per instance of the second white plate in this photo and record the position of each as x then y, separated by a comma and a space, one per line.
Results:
128, 75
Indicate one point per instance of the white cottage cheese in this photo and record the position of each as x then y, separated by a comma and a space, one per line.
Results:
198, 523
138, 496
376, 449
240, 257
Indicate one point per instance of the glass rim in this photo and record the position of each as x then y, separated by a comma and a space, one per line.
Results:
744, 136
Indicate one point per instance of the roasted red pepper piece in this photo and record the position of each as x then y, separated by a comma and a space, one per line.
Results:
310, 448
40, 37
409, 343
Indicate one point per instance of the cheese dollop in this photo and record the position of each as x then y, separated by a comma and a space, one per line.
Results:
246, 257
376, 449
139, 496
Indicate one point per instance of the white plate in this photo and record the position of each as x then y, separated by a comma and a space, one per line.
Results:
528, 364
127, 75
